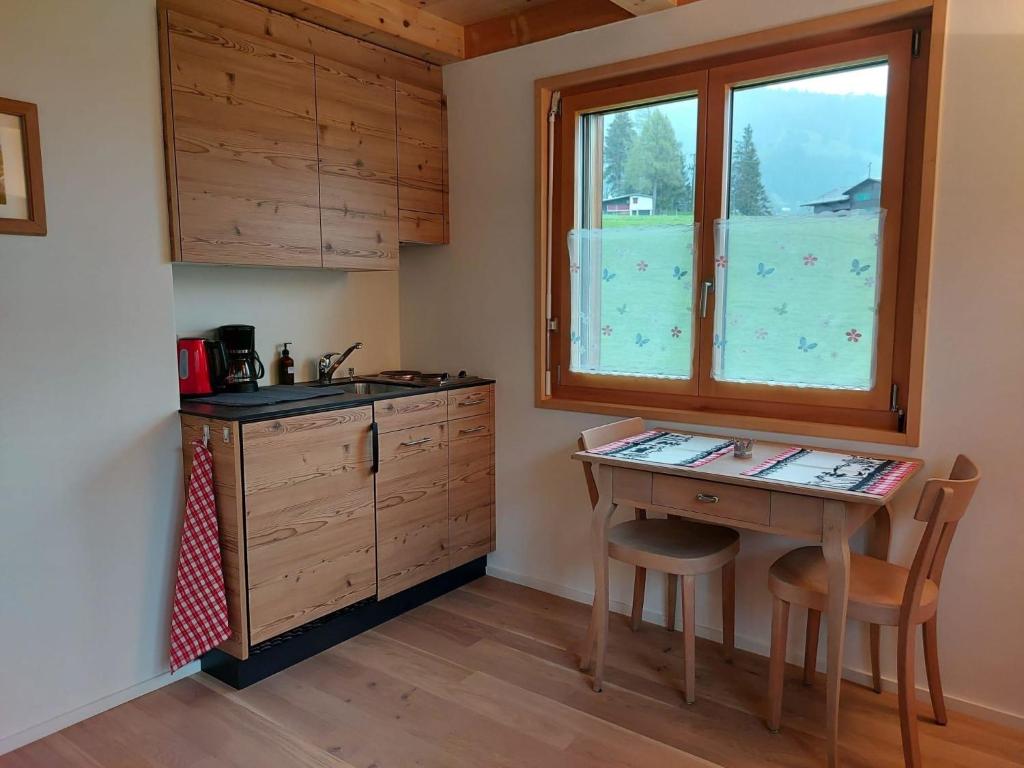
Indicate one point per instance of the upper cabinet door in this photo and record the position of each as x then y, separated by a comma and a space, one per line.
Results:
422, 183
245, 147
358, 167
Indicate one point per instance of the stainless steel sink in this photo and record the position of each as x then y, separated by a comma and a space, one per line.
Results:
362, 387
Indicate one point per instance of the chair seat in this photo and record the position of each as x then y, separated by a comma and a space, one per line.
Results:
681, 547
876, 586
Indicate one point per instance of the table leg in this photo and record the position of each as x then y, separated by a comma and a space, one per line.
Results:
878, 546
597, 634
836, 549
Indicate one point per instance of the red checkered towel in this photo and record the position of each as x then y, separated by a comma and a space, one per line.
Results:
199, 619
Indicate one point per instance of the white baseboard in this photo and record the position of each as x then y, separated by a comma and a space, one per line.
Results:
761, 647
34, 732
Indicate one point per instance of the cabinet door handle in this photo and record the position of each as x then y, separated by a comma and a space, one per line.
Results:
411, 443
481, 428
707, 498
474, 401
375, 445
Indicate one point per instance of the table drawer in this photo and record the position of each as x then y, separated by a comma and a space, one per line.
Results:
732, 502
471, 401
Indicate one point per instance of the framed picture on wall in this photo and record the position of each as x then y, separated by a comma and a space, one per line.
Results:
22, 209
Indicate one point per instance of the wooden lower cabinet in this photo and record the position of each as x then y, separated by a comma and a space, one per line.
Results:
309, 517
307, 528
412, 507
471, 488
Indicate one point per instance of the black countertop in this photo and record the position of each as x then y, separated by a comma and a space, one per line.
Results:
318, 404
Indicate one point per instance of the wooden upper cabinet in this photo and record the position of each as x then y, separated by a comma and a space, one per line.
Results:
309, 511
422, 165
243, 114
284, 157
358, 167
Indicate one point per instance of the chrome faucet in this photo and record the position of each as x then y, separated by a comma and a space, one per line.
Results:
326, 368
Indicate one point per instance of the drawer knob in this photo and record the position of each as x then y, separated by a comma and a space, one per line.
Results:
707, 498
481, 428
472, 401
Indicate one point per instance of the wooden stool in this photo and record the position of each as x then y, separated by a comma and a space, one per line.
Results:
679, 548
880, 594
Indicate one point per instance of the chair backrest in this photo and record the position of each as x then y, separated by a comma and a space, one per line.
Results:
942, 505
598, 436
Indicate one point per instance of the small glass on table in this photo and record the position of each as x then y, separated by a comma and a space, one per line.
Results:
743, 447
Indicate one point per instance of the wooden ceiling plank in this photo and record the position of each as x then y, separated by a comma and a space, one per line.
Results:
641, 7
540, 23
389, 23
466, 12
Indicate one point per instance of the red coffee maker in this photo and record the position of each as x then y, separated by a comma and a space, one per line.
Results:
202, 364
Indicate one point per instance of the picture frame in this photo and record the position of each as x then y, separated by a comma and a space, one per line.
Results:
22, 205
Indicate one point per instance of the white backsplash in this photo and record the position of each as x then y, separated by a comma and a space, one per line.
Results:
317, 310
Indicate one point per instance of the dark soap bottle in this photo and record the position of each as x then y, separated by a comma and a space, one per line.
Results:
286, 366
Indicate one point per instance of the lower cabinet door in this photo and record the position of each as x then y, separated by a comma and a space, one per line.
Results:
471, 488
309, 517
412, 507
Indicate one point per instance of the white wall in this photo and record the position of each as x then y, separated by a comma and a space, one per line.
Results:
90, 464
470, 305
319, 310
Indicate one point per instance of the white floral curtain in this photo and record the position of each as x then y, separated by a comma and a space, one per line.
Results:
632, 300
797, 299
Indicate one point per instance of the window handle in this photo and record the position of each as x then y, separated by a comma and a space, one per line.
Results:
706, 288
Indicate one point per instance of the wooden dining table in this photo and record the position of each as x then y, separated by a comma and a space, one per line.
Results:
718, 492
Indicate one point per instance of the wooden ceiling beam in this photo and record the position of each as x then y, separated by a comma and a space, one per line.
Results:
641, 7
540, 23
388, 23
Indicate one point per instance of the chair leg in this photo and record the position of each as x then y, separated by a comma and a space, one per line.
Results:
777, 664
639, 585
728, 609
876, 651
907, 699
811, 645
670, 601
689, 636
931, 664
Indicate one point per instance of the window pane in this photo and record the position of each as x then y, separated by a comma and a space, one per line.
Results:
632, 301
632, 265
809, 144
647, 164
798, 260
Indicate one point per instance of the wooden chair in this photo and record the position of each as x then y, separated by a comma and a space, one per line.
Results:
881, 593
676, 547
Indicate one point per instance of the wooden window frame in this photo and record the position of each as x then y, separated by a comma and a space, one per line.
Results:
908, 194
663, 88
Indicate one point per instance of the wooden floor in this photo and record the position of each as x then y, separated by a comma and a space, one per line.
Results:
486, 676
